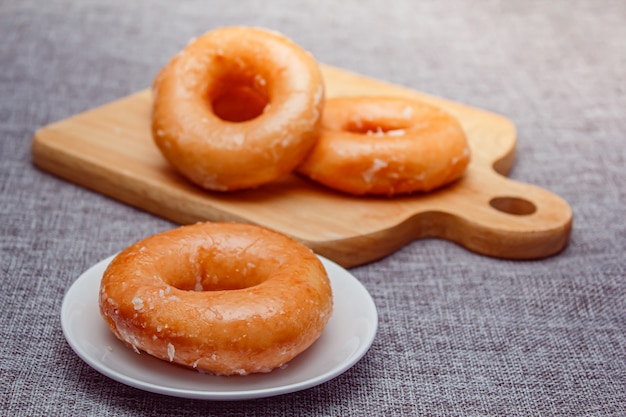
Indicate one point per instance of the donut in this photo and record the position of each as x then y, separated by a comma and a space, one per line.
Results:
386, 146
238, 107
221, 298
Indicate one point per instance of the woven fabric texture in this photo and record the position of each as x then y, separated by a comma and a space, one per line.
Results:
460, 334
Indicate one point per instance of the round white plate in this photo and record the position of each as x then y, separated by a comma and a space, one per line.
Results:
346, 338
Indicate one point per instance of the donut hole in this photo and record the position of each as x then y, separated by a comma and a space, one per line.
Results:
213, 278
209, 270
373, 127
239, 98
228, 280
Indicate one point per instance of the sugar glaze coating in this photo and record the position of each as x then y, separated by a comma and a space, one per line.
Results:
238, 107
221, 298
386, 146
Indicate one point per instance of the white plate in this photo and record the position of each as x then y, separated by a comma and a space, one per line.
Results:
346, 338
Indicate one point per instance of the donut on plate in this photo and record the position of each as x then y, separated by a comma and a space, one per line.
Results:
386, 146
222, 298
237, 108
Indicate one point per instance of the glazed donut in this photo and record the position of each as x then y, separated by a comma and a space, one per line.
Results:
222, 298
237, 108
386, 146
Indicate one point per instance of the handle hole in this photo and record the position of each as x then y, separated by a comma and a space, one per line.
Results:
513, 205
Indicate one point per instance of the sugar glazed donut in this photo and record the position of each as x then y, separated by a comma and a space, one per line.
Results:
237, 108
386, 146
223, 298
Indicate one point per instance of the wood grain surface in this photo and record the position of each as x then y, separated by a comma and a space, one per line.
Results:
110, 150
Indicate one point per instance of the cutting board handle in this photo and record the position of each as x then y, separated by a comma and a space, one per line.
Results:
504, 218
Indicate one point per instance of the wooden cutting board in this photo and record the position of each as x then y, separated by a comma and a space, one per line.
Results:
110, 150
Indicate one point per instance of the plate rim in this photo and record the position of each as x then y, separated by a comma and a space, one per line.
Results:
256, 393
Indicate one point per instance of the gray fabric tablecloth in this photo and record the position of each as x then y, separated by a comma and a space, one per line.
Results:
459, 333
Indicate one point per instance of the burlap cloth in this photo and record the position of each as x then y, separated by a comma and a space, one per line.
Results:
459, 333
